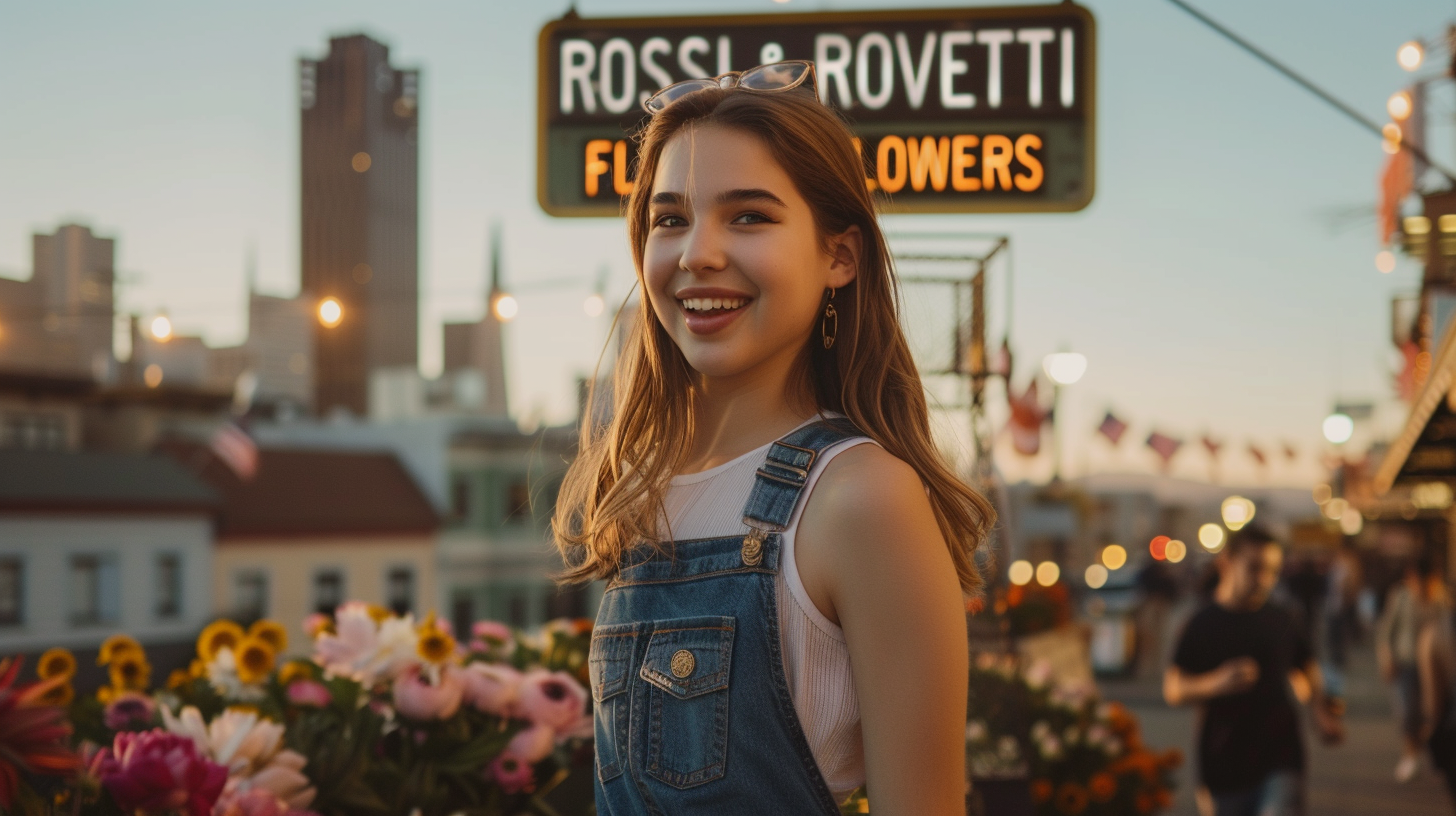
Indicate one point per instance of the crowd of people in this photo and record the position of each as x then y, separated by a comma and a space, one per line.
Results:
1273, 632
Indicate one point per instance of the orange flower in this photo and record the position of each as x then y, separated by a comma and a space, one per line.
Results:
1071, 798
1041, 790
1102, 787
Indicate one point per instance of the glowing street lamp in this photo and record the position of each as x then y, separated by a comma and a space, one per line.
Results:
161, 328
1399, 106
330, 312
1064, 368
1339, 428
505, 308
1411, 55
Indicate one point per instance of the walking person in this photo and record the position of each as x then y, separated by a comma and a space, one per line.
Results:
1235, 660
786, 554
1406, 607
1436, 670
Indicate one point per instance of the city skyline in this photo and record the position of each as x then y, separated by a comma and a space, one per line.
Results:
1250, 249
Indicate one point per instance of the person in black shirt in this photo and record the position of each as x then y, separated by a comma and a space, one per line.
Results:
1236, 660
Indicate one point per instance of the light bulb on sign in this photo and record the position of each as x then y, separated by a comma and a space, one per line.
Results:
1065, 367
1339, 428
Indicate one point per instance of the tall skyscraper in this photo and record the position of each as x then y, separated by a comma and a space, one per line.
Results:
360, 215
61, 319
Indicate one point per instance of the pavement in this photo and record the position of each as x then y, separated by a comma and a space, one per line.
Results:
1356, 778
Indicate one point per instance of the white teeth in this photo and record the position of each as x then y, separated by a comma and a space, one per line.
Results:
707, 304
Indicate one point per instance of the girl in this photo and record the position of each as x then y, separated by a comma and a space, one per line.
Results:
787, 556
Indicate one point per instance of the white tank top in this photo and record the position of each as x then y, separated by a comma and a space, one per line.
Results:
710, 504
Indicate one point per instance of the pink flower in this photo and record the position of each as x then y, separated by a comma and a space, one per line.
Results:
492, 636
255, 802
511, 772
309, 693
492, 687
552, 699
128, 710
158, 771
532, 745
316, 624
419, 699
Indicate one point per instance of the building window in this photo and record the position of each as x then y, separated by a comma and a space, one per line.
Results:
169, 586
328, 591
400, 591
518, 503
33, 431
250, 595
12, 595
459, 497
95, 590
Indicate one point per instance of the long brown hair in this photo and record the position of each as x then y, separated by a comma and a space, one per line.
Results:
612, 498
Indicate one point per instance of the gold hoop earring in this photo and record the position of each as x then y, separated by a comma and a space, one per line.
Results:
829, 326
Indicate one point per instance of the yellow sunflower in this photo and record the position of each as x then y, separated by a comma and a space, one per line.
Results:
56, 662
434, 645
379, 614
59, 695
178, 678
114, 646
130, 671
256, 659
196, 668
218, 635
295, 670
273, 632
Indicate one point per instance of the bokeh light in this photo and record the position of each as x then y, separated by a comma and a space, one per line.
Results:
1019, 573
161, 328
1114, 556
506, 308
361, 162
1322, 493
1410, 56
1064, 368
1096, 576
1176, 551
1334, 509
1158, 547
152, 375
1237, 511
1047, 573
593, 305
1211, 537
1399, 106
1339, 428
1385, 261
330, 312
1431, 495
1351, 522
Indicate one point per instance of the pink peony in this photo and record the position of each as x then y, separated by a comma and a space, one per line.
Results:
158, 771
552, 699
129, 710
492, 687
492, 637
419, 699
309, 693
532, 745
511, 772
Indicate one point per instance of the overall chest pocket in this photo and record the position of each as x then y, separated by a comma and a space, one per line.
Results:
687, 667
609, 664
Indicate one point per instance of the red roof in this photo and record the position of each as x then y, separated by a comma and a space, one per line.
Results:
312, 492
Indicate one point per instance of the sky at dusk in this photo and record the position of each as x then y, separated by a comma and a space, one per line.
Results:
1221, 281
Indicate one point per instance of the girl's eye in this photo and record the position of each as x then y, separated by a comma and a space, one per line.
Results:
670, 221
752, 218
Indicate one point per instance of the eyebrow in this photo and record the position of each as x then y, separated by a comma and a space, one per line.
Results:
726, 197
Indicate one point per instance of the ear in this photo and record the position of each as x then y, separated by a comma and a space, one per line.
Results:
844, 254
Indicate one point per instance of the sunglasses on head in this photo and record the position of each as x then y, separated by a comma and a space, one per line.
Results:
772, 78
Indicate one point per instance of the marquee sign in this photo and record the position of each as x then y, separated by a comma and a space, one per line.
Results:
955, 110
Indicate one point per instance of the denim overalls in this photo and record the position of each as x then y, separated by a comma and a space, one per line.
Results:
692, 706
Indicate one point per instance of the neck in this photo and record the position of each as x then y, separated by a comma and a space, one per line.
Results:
734, 415
1228, 597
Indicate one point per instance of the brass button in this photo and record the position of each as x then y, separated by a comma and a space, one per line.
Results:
683, 663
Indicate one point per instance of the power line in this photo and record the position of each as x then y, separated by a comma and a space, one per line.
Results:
1329, 98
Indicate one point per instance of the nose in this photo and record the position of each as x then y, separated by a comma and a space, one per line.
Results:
703, 248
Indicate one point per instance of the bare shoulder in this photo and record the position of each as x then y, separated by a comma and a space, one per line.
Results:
867, 485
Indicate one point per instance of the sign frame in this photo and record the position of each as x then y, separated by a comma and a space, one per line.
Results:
886, 204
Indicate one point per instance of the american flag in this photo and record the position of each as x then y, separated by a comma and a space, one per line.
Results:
1258, 454
1212, 445
1027, 417
1165, 446
1112, 428
1290, 452
236, 449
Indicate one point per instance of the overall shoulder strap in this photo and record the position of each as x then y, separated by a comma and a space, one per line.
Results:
780, 481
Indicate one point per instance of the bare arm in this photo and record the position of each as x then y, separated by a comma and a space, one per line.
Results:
1183, 688
893, 588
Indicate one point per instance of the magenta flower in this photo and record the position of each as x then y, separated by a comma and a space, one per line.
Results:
128, 710
155, 771
421, 697
552, 699
492, 636
255, 802
511, 772
309, 693
492, 687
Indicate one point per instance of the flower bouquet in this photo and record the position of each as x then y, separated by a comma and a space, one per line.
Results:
390, 716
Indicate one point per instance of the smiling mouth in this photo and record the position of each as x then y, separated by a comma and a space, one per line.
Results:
713, 306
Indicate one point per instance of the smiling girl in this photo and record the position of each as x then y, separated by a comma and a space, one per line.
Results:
787, 555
